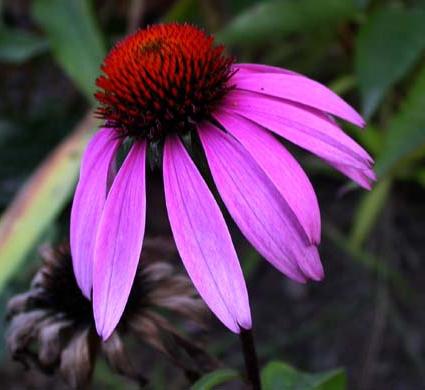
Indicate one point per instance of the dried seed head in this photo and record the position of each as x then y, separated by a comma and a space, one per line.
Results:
52, 328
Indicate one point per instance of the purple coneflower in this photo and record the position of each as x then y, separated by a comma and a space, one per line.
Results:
167, 87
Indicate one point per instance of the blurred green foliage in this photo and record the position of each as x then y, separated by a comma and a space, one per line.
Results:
280, 376
380, 66
74, 37
372, 52
17, 46
274, 20
216, 378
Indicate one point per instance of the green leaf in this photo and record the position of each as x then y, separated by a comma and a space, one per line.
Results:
406, 132
280, 376
372, 138
40, 200
213, 379
18, 46
271, 20
368, 212
387, 47
74, 37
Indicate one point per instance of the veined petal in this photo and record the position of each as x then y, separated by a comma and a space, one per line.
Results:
304, 126
298, 89
119, 241
257, 207
203, 240
88, 203
280, 167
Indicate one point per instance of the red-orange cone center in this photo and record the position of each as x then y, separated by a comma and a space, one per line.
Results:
160, 80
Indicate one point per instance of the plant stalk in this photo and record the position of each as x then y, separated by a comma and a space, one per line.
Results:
251, 360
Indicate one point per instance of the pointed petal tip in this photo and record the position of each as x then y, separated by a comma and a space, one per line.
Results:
311, 265
232, 326
108, 312
244, 327
297, 276
244, 319
106, 317
85, 289
366, 179
371, 174
356, 119
105, 324
104, 330
318, 276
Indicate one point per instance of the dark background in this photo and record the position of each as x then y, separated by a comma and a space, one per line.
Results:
367, 316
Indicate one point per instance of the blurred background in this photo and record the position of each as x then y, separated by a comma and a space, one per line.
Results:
367, 317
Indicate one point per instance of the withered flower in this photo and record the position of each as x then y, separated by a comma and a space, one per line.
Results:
51, 326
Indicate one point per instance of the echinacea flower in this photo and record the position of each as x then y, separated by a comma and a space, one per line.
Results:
51, 326
165, 89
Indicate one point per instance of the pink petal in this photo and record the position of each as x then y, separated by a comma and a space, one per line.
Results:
364, 178
298, 89
119, 241
258, 68
301, 125
257, 207
203, 240
88, 203
280, 167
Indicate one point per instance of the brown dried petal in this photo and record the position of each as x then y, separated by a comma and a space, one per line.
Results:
158, 248
52, 339
169, 284
118, 359
77, 359
20, 303
157, 271
38, 280
22, 330
173, 292
160, 334
189, 308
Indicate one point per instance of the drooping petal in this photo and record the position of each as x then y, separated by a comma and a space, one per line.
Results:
363, 177
257, 207
77, 359
301, 125
280, 167
119, 241
300, 89
203, 240
88, 203
118, 359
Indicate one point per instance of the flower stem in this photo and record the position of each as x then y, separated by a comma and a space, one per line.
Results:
251, 360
